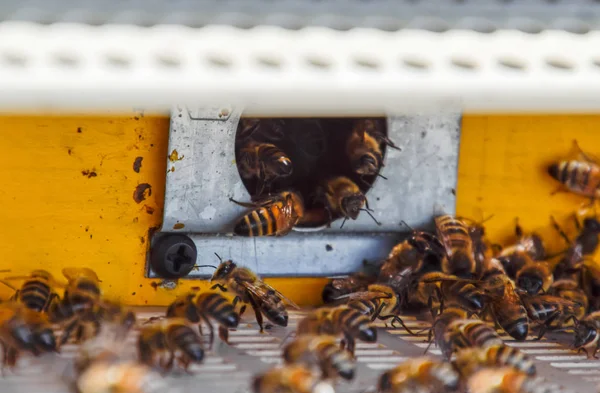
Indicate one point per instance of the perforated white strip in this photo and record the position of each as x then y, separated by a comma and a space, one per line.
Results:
270, 70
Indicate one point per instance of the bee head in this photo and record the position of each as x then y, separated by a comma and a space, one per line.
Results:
530, 282
283, 165
352, 204
366, 165
223, 270
553, 170
591, 224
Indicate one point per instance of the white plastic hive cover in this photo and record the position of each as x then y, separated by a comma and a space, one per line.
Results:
229, 368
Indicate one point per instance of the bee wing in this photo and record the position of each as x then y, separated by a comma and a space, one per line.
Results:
261, 290
364, 295
72, 273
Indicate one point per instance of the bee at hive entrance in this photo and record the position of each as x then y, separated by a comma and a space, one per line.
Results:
330, 163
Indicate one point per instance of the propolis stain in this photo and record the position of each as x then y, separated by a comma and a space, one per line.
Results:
142, 191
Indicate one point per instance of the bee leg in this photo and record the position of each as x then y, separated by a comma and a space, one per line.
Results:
221, 287
243, 204
351, 344
559, 230
378, 311
257, 313
211, 331
11, 357
224, 334
66, 334
395, 319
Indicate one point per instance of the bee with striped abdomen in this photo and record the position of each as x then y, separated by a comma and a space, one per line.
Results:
549, 311
322, 352
163, 343
454, 234
291, 379
37, 291
342, 197
505, 305
534, 276
340, 320
507, 380
439, 328
467, 333
24, 330
363, 152
580, 176
271, 216
264, 162
248, 287
584, 245
423, 375
204, 306
470, 360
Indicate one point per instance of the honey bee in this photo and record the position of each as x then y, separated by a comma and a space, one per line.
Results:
439, 328
264, 162
161, 344
412, 251
292, 379
343, 197
340, 320
470, 360
580, 176
320, 351
37, 291
506, 307
534, 277
466, 333
338, 287
570, 290
548, 310
422, 374
271, 216
374, 129
507, 380
204, 307
531, 244
249, 288
24, 330
587, 338
455, 236
379, 302
363, 152
584, 245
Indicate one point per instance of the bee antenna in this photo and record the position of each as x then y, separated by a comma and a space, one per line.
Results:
381, 176
343, 222
213, 266
8, 285
220, 259
406, 225
370, 215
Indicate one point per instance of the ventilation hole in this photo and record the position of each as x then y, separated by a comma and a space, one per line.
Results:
366, 63
219, 61
118, 61
318, 62
435, 25
12, 59
268, 62
512, 63
464, 63
66, 60
573, 26
560, 64
416, 63
526, 25
596, 62
168, 61
479, 25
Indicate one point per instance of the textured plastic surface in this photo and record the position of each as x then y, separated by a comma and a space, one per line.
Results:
312, 71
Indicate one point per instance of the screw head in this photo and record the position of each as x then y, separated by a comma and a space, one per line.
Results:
173, 256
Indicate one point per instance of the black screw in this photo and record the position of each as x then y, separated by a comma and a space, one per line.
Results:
173, 256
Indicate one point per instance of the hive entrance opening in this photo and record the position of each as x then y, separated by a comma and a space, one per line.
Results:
302, 154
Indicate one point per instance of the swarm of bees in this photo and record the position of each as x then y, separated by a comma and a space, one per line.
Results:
304, 172
469, 288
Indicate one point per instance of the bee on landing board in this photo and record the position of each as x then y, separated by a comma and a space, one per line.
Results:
364, 151
37, 291
342, 197
549, 311
338, 287
470, 360
204, 306
291, 379
422, 374
163, 343
271, 216
321, 352
454, 234
506, 307
587, 334
580, 176
248, 287
264, 162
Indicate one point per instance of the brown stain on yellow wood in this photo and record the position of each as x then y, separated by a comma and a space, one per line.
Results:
55, 213
503, 165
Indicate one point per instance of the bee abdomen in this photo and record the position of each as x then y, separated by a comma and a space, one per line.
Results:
259, 222
503, 355
34, 295
219, 308
481, 334
185, 339
276, 314
341, 361
518, 328
359, 324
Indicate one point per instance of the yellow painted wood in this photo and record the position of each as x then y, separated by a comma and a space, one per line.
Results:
503, 171
66, 199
